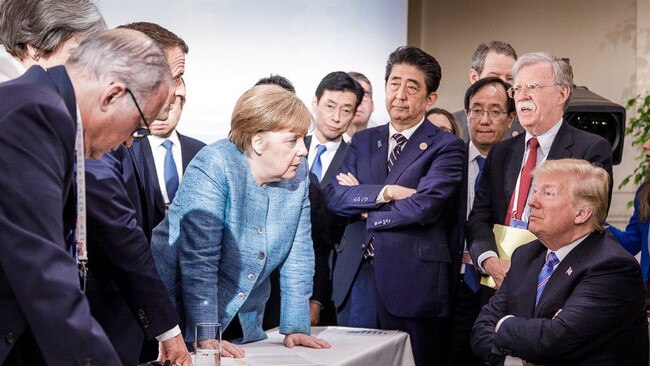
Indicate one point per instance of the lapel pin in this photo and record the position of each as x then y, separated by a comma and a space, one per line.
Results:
569, 271
423, 146
378, 143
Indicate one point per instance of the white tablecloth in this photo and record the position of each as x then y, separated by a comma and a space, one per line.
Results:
350, 347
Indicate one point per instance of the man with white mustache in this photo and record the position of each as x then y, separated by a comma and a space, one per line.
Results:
542, 88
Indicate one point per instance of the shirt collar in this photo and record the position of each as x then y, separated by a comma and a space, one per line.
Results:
546, 139
472, 152
156, 141
564, 251
406, 133
330, 145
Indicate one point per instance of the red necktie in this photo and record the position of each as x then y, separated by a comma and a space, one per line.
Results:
525, 181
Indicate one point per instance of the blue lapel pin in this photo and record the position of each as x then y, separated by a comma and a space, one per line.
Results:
378, 143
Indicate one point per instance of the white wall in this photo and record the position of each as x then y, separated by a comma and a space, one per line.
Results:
235, 43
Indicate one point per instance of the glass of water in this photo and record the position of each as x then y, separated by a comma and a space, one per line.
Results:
207, 344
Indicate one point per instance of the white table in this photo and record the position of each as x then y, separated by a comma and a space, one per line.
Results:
350, 347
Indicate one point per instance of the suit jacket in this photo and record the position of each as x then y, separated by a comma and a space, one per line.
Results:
500, 173
39, 284
224, 234
592, 310
126, 293
635, 237
409, 236
141, 151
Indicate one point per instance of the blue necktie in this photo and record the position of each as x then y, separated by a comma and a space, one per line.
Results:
317, 166
545, 274
170, 172
470, 277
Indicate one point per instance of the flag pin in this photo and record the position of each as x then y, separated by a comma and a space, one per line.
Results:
378, 143
569, 271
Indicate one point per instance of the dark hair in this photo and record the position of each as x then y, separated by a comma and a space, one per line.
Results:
423, 61
360, 77
502, 48
339, 81
163, 38
455, 125
492, 80
277, 80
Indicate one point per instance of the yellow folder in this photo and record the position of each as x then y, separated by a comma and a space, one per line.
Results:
508, 239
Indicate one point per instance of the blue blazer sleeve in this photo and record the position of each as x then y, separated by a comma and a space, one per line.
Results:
631, 238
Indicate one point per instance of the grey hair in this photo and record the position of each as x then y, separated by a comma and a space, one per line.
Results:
562, 71
123, 55
46, 24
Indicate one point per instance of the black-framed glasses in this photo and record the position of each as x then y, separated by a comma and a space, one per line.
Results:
530, 89
476, 113
140, 132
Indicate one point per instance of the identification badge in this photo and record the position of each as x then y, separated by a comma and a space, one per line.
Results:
519, 224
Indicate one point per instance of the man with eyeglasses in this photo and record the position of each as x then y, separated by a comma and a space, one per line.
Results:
124, 289
489, 114
542, 88
492, 59
45, 316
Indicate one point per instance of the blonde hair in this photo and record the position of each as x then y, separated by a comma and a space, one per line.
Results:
267, 108
590, 185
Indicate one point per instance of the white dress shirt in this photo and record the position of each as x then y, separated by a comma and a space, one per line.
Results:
159, 153
326, 157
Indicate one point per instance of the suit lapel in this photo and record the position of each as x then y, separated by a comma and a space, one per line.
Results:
147, 154
533, 268
416, 146
513, 159
186, 155
560, 148
563, 274
307, 142
379, 154
335, 163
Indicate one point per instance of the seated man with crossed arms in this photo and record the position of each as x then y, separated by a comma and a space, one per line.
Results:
574, 296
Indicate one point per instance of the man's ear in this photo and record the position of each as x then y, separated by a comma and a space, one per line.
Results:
473, 76
583, 215
110, 93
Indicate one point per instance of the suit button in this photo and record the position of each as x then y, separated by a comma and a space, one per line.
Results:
251, 277
260, 230
241, 296
10, 338
261, 255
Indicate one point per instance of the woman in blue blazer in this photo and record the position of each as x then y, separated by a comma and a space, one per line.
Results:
635, 237
241, 211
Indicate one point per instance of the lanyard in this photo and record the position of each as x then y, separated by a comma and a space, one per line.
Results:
82, 250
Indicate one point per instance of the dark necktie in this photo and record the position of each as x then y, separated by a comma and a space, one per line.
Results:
525, 180
551, 261
400, 140
170, 172
317, 165
470, 277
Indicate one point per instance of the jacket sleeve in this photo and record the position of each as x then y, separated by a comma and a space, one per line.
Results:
115, 239
630, 239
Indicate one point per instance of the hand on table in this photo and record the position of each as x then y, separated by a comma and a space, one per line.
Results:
300, 339
231, 350
174, 350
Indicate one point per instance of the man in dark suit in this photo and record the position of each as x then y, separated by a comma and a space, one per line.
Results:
574, 296
125, 292
45, 316
335, 104
490, 112
395, 184
542, 90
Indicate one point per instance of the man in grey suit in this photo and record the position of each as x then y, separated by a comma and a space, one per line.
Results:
541, 91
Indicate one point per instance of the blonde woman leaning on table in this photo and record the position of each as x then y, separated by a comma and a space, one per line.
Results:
241, 211
43, 32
